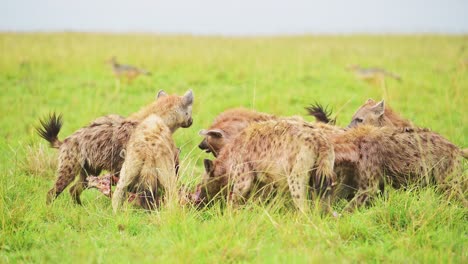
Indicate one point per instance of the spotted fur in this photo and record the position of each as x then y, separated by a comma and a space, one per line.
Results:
282, 153
96, 147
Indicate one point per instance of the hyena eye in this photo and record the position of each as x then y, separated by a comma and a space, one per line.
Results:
359, 120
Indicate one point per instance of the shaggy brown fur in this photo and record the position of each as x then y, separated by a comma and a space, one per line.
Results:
377, 114
91, 149
282, 153
402, 156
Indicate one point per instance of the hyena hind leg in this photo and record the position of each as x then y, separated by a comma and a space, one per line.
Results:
81, 184
66, 174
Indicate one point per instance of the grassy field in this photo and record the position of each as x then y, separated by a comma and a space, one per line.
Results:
67, 73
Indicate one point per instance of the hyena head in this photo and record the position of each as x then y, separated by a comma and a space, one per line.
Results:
214, 141
370, 113
212, 183
175, 110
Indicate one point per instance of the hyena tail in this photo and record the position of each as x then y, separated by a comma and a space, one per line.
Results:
321, 114
464, 153
50, 129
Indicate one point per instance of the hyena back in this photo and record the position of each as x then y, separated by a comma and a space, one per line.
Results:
230, 123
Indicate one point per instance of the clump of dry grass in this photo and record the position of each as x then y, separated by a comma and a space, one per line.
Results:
39, 160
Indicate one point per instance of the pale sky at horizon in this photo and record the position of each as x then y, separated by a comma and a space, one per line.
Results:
240, 17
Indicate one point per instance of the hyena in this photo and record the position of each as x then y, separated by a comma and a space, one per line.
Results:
378, 114
381, 115
281, 153
151, 155
91, 149
400, 156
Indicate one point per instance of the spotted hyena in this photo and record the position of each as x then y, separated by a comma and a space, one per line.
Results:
400, 156
151, 155
279, 153
91, 149
378, 114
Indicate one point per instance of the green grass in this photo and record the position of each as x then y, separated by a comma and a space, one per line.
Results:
67, 73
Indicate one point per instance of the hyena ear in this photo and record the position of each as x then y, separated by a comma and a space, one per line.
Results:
203, 132
208, 165
188, 97
370, 101
217, 133
379, 108
161, 93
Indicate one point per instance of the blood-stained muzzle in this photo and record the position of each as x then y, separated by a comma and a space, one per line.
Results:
197, 197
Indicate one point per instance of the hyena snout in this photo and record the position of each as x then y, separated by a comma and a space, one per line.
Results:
204, 146
188, 123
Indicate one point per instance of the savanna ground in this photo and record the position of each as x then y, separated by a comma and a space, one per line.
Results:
66, 73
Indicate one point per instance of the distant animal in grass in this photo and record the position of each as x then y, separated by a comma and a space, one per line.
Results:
126, 71
372, 74
100, 145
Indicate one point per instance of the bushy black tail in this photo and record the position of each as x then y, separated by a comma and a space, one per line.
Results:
50, 129
321, 114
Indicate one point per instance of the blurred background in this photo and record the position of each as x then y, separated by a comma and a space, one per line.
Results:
242, 17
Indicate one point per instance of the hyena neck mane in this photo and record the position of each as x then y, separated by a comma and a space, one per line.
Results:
391, 118
164, 108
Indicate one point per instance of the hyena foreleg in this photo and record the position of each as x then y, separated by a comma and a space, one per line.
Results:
130, 171
298, 186
243, 182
